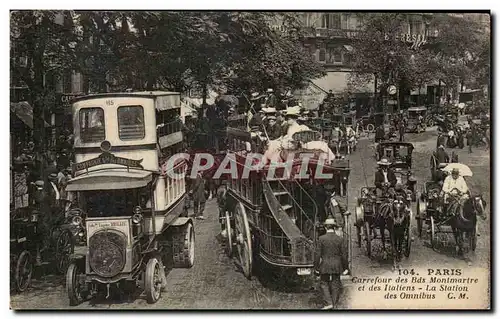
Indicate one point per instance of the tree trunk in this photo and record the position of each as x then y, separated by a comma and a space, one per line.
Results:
439, 93
204, 93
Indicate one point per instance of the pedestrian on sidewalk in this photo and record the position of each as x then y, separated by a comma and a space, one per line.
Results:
199, 198
330, 263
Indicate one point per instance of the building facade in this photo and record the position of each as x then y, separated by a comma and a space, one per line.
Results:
329, 38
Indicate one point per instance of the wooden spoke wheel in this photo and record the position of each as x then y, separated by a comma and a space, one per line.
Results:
358, 234
368, 239
75, 291
473, 238
243, 240
229, 236
433, 164
407, 238
153, 280
419, 218
24, 271
65, 247
433, 233
370, 128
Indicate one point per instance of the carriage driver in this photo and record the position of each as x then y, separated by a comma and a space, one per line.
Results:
452, 182
385, 175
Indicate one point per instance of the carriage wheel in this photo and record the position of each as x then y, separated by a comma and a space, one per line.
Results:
430, 122
243, 240
473, 239
65, 247
418, 217
433, 233
370, 128
358, 222
408, 242
229, 232
24, 271
368, 239
433, 165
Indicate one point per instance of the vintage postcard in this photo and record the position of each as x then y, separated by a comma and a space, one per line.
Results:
250, 160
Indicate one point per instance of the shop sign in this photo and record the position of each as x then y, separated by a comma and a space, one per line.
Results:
416, 40
64, 100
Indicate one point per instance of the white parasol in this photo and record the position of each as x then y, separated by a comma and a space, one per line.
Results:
463, 169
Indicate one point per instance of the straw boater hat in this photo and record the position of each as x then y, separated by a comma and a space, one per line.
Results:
384, 162
270, 90
255, 96
269, 110
330, 221
292, 111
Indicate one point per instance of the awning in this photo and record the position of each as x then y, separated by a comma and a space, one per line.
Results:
348, 47
24, 112
110, 179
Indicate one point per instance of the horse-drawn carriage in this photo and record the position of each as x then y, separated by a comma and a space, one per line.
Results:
370, 122
273, 220
437, 173
381, 210
416, 119
322, 125
399, 155
457, 217
27, 238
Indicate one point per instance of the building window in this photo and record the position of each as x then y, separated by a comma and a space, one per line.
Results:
92, 125
322, 55
131, 122
331, 21
344, 21
347, 59
307, 19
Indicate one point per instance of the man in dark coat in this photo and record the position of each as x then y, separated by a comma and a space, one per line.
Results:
441, 155
384, 175
273, 129
330, 262
380, 133
199, 198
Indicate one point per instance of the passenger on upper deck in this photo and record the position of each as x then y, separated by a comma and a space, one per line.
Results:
292, 114
271, 99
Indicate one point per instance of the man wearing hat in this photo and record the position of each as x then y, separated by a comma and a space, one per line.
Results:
454, 181
199, 197
273, 129
271, 98
384, 175
330, 262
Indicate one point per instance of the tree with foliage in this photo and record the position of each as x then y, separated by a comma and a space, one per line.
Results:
379, 51
48, 45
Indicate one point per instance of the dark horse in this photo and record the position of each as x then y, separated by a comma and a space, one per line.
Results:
395, 217
463, 219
